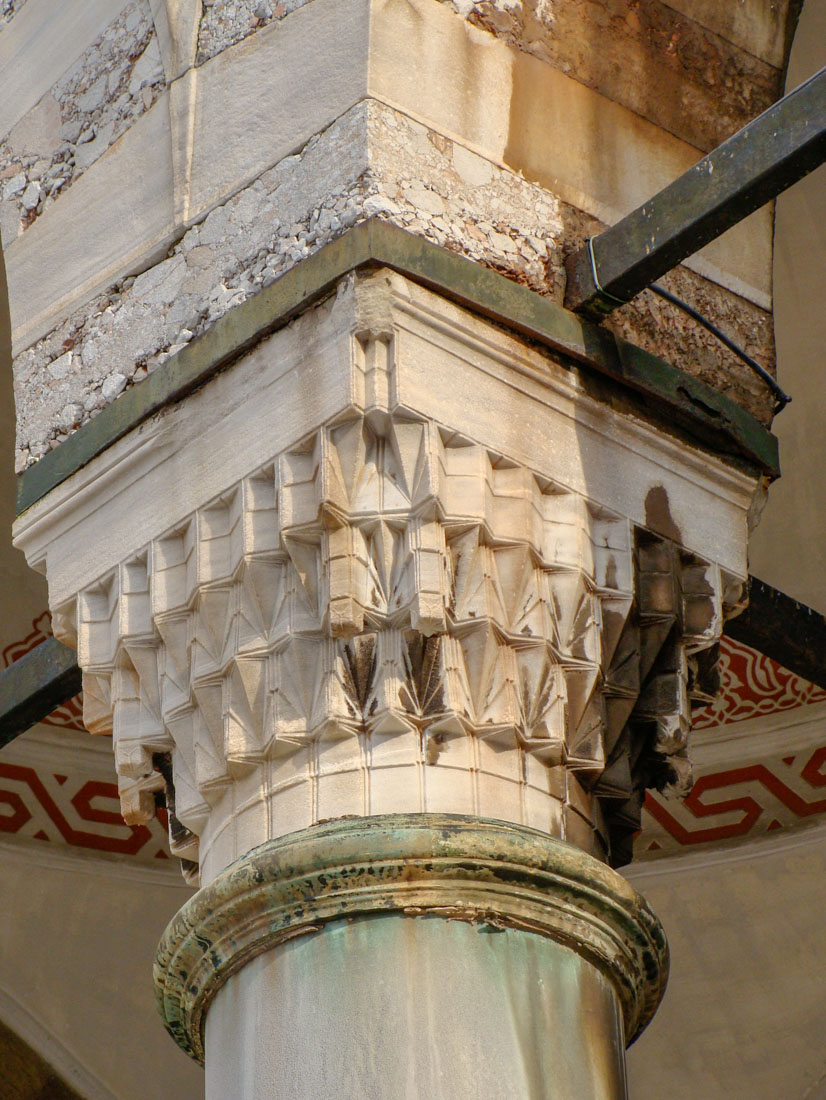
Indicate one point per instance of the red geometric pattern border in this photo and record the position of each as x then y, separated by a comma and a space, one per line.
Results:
759, 798
69, 715
752, 685
80, 813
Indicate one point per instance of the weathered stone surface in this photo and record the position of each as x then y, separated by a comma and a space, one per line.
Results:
10, 224
661, 64
283, 101
38, 132
490, 190
38, 45
700, 43
665, 330
107, 88
9, 8
760, 28
176, 25
519, 111
70, 416
112, 386
185, 156
31, 196
16, 185
372, 161
603, 172
238, 248
226, 22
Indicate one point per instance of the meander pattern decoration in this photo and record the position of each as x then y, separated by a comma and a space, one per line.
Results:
757, 798
780, 791
73, 811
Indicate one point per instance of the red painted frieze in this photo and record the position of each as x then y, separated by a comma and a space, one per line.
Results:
774, 793
75, 811
753, 685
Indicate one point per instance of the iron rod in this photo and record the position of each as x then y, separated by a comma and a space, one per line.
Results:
768, 155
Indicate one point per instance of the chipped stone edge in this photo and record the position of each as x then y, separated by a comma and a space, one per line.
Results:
682, 402
446, 865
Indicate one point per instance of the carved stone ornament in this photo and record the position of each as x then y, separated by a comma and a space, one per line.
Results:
467, 869
393, 560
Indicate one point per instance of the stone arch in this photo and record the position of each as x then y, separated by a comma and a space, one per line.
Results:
26, 1075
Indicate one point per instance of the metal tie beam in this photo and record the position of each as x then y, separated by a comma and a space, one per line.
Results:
32, 687
769, 154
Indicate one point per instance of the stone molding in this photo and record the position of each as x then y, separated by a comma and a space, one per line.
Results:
709, 490
451, 866
651, 388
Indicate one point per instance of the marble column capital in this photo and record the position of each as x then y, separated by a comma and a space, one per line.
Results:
393, 559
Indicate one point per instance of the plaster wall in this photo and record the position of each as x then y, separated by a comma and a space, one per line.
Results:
787, 549
75, 968
743, 1014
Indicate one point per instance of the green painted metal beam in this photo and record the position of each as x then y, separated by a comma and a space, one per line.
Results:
756, 164
655, 389
32, 687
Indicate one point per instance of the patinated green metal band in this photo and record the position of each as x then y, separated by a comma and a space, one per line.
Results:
654, 387
461, 868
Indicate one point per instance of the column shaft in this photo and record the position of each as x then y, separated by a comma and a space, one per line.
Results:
402, 1008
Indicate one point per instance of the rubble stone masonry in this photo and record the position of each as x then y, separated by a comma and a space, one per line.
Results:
666, 69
